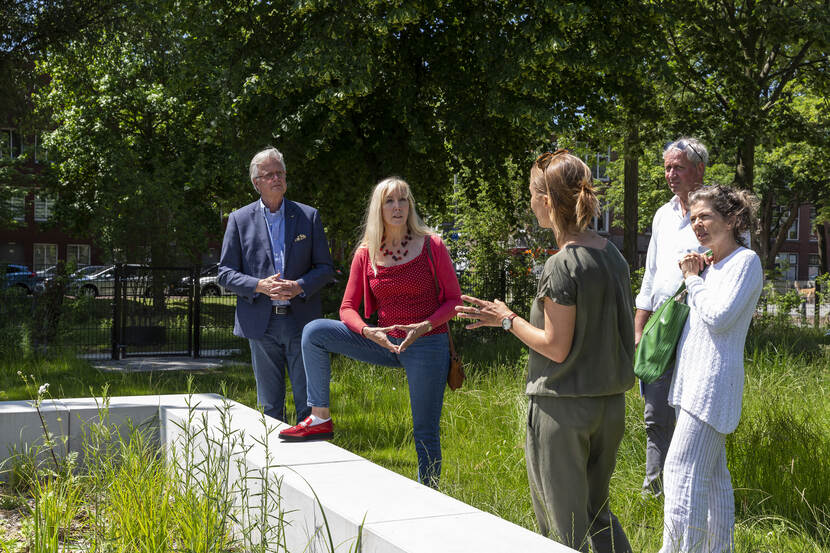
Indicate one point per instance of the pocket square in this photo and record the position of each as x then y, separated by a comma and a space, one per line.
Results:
300, 237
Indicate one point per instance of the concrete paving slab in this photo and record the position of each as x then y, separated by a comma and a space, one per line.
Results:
161, 364
478, 531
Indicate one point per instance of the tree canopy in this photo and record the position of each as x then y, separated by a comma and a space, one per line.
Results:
157, 106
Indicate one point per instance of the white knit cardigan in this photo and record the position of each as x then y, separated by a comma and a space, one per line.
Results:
709, 372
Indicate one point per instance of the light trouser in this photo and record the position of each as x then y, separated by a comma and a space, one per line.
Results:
571, 452
659, 417
279, 349
426, 362
699, 510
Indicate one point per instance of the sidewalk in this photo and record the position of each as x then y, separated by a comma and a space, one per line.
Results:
147, 364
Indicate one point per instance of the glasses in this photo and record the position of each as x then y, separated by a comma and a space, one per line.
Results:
682, 145
544, 159
272, 175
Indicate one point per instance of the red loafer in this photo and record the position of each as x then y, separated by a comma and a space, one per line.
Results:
304, 432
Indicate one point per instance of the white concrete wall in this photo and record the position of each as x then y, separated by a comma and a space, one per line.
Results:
397, 514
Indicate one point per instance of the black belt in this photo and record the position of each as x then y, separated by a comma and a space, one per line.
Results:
280, 309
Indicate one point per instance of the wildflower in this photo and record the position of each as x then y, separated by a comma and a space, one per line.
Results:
43, 389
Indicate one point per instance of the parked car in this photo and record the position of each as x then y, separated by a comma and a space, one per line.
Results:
17, 278
208, 284
48, 274
135, 278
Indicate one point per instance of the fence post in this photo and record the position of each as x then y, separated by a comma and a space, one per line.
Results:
116, 313
197, 313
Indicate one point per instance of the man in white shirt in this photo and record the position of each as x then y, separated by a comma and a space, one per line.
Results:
672, 236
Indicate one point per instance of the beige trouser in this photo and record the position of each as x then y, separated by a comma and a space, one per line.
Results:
571, 452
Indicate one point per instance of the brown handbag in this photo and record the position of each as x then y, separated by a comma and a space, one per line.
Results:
456, 376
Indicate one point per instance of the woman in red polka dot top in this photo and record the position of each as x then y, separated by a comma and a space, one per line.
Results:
393, 272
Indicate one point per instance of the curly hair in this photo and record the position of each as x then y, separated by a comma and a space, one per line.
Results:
740, 206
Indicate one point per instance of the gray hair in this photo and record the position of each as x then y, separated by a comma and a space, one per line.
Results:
263, 156
694, 149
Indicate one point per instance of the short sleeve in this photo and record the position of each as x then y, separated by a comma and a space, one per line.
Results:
557, 282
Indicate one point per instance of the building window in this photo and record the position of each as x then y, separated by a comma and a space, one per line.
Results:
781, 214
10, 143
813, 234
787, 265
44, 208
17, 207
46, 255
812, 266
79, 253
601, 224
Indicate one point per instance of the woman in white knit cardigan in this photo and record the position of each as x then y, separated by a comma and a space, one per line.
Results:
707, 389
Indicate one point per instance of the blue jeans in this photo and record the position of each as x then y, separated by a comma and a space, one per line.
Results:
426, 362
279, 348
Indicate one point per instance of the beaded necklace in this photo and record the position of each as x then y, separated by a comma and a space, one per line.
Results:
406, 239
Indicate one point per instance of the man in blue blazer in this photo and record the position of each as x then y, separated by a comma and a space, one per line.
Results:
276, 259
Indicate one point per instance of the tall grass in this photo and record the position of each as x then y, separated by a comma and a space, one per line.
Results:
779, 456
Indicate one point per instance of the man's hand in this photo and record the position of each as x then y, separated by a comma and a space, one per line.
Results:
278, 289
377, 334
640, 318
268, 285
286, 289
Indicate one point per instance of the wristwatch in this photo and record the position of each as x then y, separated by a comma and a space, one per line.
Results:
507, 322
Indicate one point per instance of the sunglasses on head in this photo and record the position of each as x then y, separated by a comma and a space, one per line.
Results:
545, 158
682, 145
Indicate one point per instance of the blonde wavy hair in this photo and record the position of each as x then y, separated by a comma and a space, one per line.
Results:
373, 227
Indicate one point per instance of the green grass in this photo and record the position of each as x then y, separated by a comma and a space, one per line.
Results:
779, 456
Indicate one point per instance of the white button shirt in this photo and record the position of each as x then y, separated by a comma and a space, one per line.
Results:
671, 237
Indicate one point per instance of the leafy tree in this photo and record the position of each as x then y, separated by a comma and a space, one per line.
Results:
739, 60
136, 166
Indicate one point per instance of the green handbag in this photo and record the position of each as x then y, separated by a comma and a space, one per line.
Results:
658, 344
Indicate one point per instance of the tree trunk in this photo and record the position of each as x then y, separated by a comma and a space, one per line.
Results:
630, 204
745, 168
821, 232
762, 247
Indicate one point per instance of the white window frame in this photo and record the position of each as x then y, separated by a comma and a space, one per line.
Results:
813, 234
17, 206
783, 213
605, 219
80, 253
44, 209
812, 268
791, 268
45, 255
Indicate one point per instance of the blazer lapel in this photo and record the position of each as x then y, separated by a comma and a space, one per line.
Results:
290, 229
261, 232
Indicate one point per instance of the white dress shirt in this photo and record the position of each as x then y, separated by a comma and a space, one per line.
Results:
671, 237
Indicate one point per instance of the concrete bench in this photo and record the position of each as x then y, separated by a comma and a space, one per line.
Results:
397, 514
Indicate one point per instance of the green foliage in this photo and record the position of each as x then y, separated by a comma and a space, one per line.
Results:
496, 242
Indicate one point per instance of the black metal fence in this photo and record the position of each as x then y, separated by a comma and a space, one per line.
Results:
135, 310
125, 310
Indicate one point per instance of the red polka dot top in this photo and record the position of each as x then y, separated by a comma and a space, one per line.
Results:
405, 293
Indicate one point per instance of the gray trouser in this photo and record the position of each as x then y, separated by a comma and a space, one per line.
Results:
659, 418
571, 452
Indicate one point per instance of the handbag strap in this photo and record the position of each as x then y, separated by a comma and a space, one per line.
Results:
428, 240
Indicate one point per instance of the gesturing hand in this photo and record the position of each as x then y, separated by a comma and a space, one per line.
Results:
487, 313
377, 334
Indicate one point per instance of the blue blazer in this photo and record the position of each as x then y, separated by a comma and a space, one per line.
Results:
247, 258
